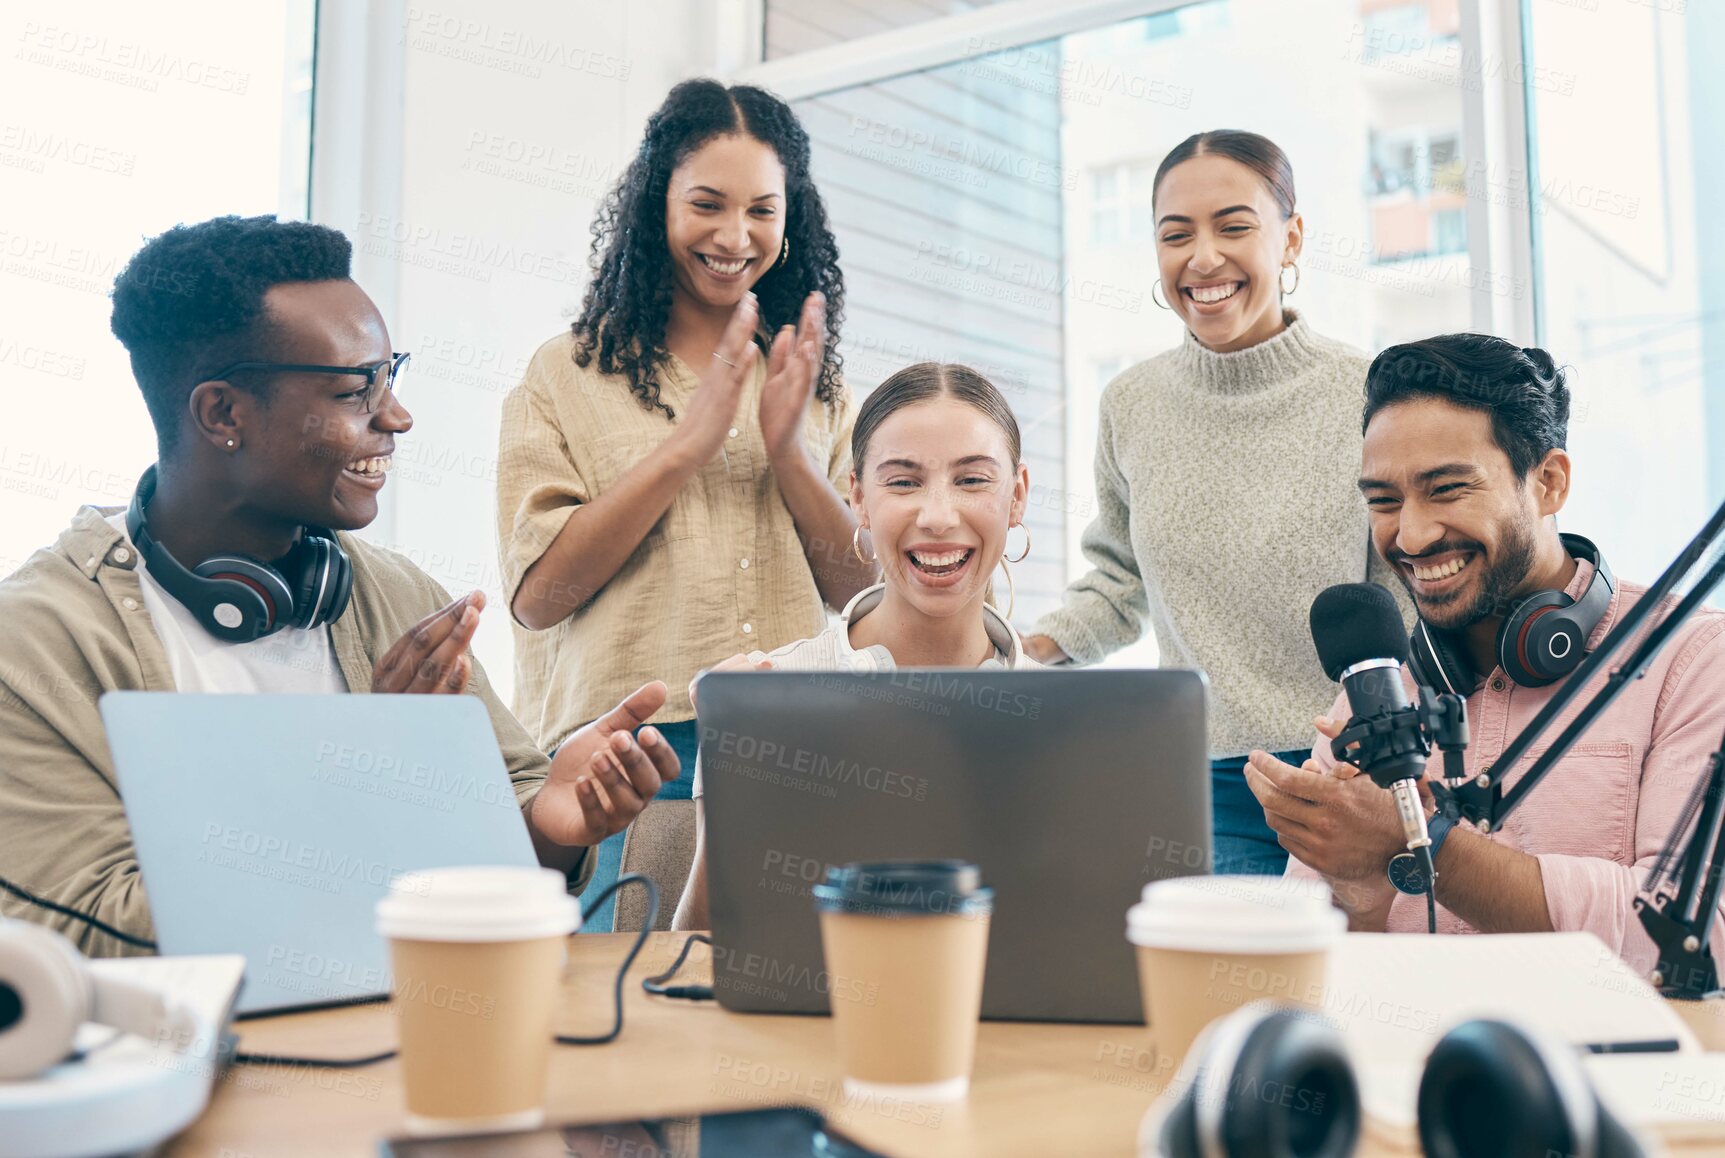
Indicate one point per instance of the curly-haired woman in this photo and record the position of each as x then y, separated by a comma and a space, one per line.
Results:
670, 494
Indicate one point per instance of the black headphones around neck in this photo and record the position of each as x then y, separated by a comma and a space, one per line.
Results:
238, 598
1542, 639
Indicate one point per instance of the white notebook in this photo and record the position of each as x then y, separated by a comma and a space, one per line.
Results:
1568, 985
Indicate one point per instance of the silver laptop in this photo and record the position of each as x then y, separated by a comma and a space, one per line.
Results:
271, 825
1071, 790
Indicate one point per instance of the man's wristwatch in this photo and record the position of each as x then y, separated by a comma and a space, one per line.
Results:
1406, 873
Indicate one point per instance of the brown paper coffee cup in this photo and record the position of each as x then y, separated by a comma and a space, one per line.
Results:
477, 956
1207, 946
910, 942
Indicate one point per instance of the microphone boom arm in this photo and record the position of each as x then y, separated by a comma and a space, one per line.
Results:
1680, 896
1482, 800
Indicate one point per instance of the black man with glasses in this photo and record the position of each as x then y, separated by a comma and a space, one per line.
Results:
272, 386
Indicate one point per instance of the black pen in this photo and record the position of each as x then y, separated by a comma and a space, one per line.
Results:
1662, 1045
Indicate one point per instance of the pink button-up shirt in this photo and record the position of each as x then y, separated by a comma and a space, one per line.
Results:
1599, 818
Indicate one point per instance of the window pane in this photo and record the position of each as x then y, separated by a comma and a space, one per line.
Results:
1631, 283
1368, 107
1105, 226
122, 120
947, 193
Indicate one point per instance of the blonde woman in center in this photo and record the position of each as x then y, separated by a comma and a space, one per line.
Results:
938, 484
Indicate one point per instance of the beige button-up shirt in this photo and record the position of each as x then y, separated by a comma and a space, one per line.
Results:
722, 572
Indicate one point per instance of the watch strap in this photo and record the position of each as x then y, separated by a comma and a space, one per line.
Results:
1438, 828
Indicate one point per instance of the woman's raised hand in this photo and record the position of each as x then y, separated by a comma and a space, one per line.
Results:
706, 422
792, 366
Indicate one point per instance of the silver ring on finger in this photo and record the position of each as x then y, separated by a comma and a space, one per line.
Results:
724, 359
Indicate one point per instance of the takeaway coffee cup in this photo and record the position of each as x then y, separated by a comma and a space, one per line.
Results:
905, 943
1209, 945
478, 954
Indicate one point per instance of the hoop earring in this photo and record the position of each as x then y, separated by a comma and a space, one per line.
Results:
1281, 280
1024, 554
856, 547
1159, 302
784, 253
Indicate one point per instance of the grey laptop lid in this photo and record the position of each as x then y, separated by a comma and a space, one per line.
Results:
1071, 789
271, 825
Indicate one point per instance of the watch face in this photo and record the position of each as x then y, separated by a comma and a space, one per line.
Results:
1407, 875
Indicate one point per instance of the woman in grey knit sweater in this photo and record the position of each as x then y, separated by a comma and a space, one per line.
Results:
1225, 479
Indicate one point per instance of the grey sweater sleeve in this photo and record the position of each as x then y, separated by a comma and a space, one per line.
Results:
1103, 611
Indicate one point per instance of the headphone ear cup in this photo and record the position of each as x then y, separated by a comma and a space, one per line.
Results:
1538, 644
1492, 1090
1179, 1134
340, 583
321, 576
44, 998
1264, 1082
307, 572
250, 602
1436, 663
1292, 1092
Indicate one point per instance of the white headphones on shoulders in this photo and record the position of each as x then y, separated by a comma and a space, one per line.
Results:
46, 993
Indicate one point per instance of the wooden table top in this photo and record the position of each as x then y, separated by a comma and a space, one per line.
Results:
1037, 1089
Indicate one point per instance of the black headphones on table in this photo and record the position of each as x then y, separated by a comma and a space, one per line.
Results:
1273, 1081
1542, 639
238, 598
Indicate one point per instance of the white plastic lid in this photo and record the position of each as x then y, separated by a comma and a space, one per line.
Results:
1236, 914
484, 903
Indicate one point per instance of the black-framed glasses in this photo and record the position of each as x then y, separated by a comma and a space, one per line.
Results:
379, 376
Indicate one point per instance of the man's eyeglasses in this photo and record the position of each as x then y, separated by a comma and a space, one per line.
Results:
379, 376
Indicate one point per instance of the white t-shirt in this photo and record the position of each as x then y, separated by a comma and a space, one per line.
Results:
831, 650
296, 660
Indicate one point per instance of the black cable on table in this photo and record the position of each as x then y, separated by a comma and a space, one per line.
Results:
628, 959
561, 1039
342, 1063
657, 987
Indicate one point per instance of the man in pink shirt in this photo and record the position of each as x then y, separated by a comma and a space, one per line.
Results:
1464, 472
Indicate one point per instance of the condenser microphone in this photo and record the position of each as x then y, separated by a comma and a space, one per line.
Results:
1362, 644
